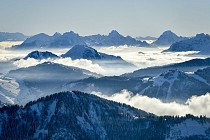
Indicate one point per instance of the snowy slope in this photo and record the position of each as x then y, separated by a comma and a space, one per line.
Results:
27, 84
45, 41
76, 115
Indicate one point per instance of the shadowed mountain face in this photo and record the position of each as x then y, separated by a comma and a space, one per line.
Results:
42, 40
169, 86
201, 43
41, 55
168, 38
76, 115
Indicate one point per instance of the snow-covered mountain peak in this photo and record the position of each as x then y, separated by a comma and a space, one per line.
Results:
82, 51
41, 55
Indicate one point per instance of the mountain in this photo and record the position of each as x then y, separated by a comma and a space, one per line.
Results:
41, 55
146, 38
86, 52
176, 86
204, 73
42, 40
76, 115
4, 36
113, 39
168, 38
172, 85
104, 60
187, 66
201, 43
6, 66
67, 39
70, 39
107, 85
25, 84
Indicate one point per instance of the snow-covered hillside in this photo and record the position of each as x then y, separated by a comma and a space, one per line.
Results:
28, 84
76, 115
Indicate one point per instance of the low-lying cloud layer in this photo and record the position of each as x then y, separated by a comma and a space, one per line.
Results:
196, 105
148, 56
80, 63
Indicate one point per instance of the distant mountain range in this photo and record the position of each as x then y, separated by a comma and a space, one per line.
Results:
168, 38
85, 52
160, 82
146, 38
187, 66
201, 43
45, 41
76, 115
113, 39
172, 85
5, 36
70, 39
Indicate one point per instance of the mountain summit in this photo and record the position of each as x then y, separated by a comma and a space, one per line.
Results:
168, 38
86, 52
41, 55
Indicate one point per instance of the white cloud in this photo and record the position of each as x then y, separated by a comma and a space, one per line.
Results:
148, 56
197, 105
80, 63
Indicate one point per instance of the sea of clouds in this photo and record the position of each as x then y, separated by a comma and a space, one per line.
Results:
196, 105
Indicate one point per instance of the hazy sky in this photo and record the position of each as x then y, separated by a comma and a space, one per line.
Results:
129, 17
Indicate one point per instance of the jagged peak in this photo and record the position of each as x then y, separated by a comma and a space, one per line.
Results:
202, 35
56, 34
114, 33
40, 55
70, 33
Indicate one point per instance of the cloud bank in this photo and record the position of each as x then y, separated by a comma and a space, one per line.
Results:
196, 105
148, 56
80, 63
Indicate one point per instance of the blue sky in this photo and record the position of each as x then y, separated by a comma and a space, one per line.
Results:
129, 17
